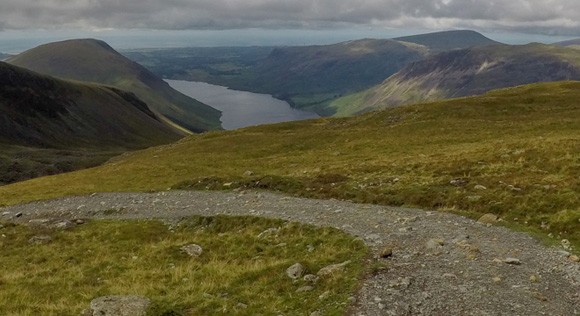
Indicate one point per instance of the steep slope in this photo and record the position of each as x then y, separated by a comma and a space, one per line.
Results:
512, 152
41, 117
467, 72
95, 61
449, 40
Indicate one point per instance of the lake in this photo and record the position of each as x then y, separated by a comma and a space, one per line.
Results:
241, 108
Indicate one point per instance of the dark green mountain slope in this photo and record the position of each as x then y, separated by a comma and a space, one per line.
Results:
449, 40
49, 125
467, 72
95, 61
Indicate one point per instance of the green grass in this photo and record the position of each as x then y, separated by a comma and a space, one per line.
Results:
144, 258
522, 144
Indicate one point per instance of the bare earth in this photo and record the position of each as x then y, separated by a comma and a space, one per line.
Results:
442, 264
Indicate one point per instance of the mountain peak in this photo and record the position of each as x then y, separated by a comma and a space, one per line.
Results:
449, 40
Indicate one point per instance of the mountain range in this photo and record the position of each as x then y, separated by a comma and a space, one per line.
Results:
466, 72
308, 77
95, 61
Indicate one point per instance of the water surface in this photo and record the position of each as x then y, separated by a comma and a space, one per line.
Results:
241, 108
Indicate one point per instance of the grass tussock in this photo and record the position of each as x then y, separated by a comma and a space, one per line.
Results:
514, 153
237, 273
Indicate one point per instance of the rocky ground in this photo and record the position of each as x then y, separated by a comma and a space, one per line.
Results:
425, 262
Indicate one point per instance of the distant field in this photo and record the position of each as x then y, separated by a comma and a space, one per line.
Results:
514, 152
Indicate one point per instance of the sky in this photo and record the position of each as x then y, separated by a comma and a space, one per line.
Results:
259, 22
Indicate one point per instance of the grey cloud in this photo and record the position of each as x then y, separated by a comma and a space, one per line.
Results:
542, 16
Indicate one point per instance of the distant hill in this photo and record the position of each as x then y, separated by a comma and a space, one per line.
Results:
94, 61
68, 125
467, 72
575, 43
449, 40
308, 77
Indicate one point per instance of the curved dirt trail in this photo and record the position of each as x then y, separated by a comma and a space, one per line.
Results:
442, 264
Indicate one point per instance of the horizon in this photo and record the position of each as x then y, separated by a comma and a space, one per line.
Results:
15, 42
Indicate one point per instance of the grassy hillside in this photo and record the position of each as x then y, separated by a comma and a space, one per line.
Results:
49, 125
521, 144
237, 273
467, 72
95, 61
444, 41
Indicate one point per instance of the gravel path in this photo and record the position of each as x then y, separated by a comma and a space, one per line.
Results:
441, 264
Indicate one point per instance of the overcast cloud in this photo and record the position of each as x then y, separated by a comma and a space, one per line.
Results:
554, 17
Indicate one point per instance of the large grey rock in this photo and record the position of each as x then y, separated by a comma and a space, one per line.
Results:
119, 306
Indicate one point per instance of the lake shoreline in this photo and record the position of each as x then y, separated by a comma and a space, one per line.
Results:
241, 108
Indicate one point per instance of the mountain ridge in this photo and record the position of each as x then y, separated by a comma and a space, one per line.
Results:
50, 125
93, 60
467, 72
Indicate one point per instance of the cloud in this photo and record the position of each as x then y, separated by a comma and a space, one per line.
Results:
555, 17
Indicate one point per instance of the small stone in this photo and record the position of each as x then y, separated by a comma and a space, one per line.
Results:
40, 240
119, 306
566, 244
332, 269
316, 313
386, 253
248, 173
192, 250
512, 261
66, 224
351, 300
79, 221
241, 306
19, 214
480, 187
488, 219
324, 295
311, 278
267, 232
4, 214
295, 271
435, 244
496, 280
574, 258
534, 278
306, 288
458, 182
449, 276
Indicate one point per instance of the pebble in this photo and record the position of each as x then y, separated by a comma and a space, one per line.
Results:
192, 250
512, 261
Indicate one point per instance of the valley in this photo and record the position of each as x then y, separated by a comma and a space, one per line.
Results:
419, 175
